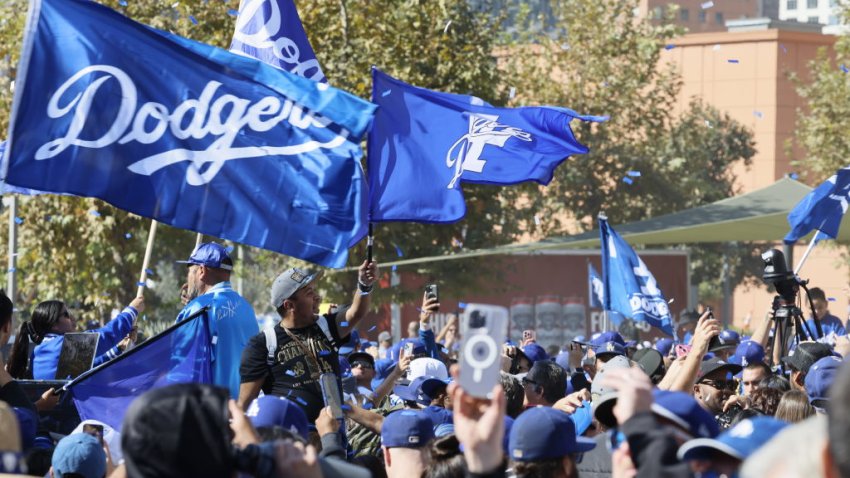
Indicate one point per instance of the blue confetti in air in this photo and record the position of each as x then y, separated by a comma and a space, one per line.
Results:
386, 93
193, 19
128, 236
149, 272
628, 180
794, 176
669, 47
758, 114
301, 401
290, 373
372, 328
229, 249
732, 61
11, 269
462, 305
141, 284
19, 220
48, 218
394, 268
324, 353
233, 13
343, 324
634, 174
831, 299
784, 50
345, 408
123, 3
845, 69
94, 213
398, 251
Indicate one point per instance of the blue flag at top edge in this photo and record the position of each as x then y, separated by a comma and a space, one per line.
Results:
190, 135
822, 209
271, 31
630, 288
424, 144
105, 393
595, 288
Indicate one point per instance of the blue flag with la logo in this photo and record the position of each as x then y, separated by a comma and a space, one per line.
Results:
187, 134
822, 209
595, 288
630, 288
425, 144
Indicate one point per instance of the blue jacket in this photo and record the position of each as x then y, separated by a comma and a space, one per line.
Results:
828, 324
231, 324
45, 357
427, 337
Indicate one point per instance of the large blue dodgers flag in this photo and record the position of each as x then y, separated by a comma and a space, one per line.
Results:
424, 144
630, 288
187, 134
271, 31
105, 392
595, 288
821, 209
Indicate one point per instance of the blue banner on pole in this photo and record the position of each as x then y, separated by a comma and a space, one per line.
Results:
271, 31
106, 392
630, 288
190, 135
424, 144
822, 209
595, 288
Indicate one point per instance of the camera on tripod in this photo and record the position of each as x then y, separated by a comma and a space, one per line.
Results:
776, 273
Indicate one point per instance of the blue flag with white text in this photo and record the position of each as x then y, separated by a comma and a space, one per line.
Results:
630, 288
106, 392
424, 144
595, 288
271, 31
187, 134
822, 209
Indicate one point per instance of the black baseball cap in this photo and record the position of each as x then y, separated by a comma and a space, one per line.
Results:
714, 364
806, 354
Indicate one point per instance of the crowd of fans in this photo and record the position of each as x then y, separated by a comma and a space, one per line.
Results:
716, 404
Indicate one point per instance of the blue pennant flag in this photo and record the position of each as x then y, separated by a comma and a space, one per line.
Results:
630, 288
424, 144
187, 134
821, 209
105, 392
271, 31
595, 288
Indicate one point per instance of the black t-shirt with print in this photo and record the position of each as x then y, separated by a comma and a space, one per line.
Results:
289, 376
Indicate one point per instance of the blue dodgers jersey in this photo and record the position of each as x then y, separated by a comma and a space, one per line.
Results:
232, 323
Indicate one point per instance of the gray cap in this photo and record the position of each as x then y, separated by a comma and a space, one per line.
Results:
603, 399
384, 336
289, 282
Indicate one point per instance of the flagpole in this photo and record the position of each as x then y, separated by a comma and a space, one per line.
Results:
808, 251
199, 239
11, 270
146, 262
370, 240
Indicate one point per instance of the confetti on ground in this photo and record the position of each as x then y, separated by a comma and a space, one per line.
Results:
372, 328
628, 180
94, 213
512, 93
669, 47
19, 220
706, 5
634, 174
446, 30
233, 13
386, 93
343, 324
758, 114
193, 19
732, 61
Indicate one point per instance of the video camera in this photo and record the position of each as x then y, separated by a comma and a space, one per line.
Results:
776, 273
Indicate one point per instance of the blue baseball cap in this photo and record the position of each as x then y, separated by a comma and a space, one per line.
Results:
79, 453
444, 429
210, 254
820, 378
534, 352
271, 410
431, 385
344, 366
543, 433
406, 429
411, 391
747, 352
563, 359
727, 339
438, 415
383, 368
610, 348
352, 345
739, 442
684, 410
509, 424
663, 346
605, 337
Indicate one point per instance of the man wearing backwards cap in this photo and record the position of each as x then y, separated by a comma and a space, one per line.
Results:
306, 344
231, 319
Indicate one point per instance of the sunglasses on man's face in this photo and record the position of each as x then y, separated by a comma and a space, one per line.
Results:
721, 384
362, 365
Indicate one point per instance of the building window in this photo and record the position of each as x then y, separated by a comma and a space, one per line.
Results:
791, 5
833, 20
702, 16
718, 18
812, 3
812, 20
684, 15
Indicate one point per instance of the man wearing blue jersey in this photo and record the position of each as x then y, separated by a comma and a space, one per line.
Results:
230, 319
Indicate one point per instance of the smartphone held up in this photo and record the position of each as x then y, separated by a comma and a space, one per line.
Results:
483, 329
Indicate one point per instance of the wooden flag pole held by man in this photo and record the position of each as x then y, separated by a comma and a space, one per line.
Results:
145, 263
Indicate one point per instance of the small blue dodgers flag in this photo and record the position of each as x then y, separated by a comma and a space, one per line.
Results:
595, 288
424, 144
187, 134
821, 209
630, 288
271, 31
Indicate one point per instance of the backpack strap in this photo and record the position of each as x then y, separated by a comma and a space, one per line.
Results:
271, 344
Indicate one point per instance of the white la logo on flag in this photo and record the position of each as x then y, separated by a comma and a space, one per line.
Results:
465, 153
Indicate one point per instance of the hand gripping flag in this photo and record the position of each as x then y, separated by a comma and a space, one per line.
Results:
271, 31
595, 288
187, 134
821, 209
105, 392
630, 288
424, 144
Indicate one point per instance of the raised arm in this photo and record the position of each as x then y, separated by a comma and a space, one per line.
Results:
367, 274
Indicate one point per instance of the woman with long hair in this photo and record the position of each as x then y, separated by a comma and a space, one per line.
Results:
49, 322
